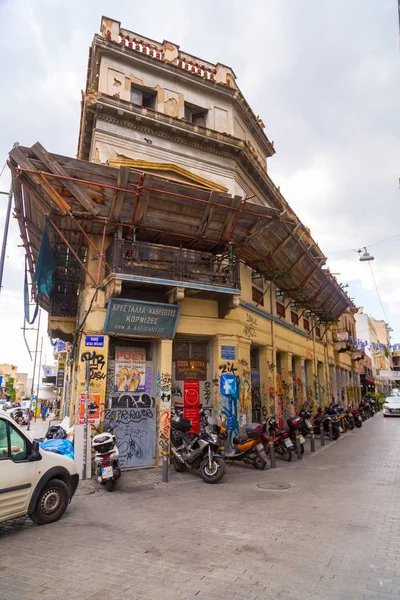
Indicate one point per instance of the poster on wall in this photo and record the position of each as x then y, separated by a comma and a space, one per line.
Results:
191, 404
130, 369
93, 409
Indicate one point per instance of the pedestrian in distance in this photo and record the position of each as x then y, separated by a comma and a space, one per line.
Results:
44, 412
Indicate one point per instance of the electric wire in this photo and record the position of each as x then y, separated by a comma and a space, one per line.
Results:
369, 245
378, 294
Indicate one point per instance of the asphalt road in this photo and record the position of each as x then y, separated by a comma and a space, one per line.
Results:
330, 531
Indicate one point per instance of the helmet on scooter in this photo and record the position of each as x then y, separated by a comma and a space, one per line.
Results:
103, 443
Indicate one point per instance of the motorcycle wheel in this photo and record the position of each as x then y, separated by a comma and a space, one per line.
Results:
351, 425
109, 485
217, 471
285, 453
259, 463
335, 434
178, 466
358, 424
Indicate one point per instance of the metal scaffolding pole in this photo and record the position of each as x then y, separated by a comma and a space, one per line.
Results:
5, 235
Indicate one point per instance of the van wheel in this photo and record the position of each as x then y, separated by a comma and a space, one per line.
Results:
52, 502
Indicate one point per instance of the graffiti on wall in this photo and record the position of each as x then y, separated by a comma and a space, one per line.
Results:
249, 329
164, 429
135, 431
97, 381
131, 400
96, 364
164, 387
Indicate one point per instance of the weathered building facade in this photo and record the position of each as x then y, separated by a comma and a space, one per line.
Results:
178, 260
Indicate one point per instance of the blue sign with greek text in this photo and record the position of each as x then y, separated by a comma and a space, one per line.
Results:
228, 385
228, 352
97, 341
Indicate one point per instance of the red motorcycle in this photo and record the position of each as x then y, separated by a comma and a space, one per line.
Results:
283, 445
357, 416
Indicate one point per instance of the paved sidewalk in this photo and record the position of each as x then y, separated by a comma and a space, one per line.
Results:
329, 532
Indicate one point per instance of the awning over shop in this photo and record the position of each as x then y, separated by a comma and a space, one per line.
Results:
79, 198
369, 382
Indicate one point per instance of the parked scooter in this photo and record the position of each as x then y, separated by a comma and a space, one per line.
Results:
249, 448
283, 445
306, 424
106, 459
198, 450
322, 420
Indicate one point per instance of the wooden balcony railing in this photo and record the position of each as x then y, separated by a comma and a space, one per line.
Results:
169, 263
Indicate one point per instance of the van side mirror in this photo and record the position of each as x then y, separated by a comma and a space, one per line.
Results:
35, 454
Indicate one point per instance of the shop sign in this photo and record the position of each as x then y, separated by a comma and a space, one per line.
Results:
144, 319
342, 336
60, 372
228, 352
130, 369
191, 404
61, 346
93, 409
96, 341
190, 369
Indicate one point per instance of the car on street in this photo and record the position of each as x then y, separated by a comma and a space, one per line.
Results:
33, 481
391, 406
12, 412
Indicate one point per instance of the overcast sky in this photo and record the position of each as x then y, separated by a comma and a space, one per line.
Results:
324, 77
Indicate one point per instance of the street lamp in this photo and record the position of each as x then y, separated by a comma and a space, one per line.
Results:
365, 256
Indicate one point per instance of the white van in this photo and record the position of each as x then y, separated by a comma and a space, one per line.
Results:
33, 481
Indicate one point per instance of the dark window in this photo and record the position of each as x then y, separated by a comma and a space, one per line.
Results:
294, 317
280, 309
257, 295
195, 115
279, 363
318, 332
143, 97
306, 324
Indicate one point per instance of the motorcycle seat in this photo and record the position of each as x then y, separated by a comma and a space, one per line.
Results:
240, 439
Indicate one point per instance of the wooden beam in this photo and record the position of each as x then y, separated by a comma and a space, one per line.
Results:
255, 233
207, 214
76, 189
119, 197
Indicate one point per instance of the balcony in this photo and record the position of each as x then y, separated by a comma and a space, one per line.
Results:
189, 271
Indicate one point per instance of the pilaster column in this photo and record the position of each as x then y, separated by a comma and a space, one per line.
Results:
163, 395
287, 384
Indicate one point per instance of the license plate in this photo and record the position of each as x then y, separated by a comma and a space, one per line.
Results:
359, 418
260, 447
288, 443
106, 472
341, 429
302, 440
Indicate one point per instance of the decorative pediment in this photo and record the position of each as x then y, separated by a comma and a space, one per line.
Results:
167, 171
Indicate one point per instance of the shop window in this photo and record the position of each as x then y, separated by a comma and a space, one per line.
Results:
280, 310
294, 318
257, 295
143, 97
195, 114
279, 363
306, 324
188, 350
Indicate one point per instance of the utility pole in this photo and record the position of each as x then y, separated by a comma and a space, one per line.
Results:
6, 228
34, 368
40, 366
5, 235
85, 427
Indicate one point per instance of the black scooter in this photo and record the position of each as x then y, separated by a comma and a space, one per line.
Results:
197, 450
322, 419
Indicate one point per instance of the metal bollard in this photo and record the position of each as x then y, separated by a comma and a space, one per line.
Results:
322, 432
165, 464
298, 446
272, 453
312, 439
330, 431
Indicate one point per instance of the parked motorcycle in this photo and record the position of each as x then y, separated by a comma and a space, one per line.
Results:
305, 414
249, 448
322, 420
283, 445
106, 459
357, 416
198, 450
295, 427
